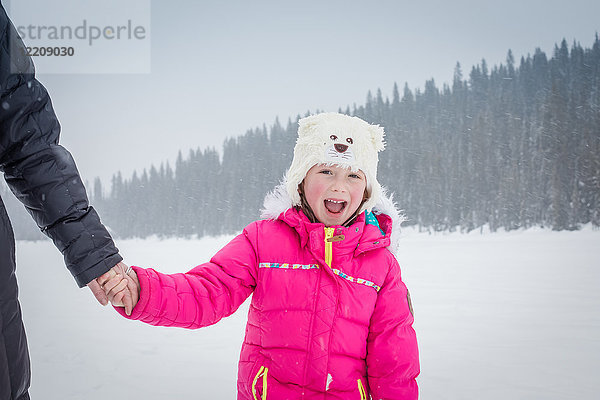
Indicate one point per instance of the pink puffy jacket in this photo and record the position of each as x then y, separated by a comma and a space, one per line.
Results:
329, 319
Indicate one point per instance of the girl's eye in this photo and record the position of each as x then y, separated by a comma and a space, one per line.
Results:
354, 176
333, 137
349, 140
326, 172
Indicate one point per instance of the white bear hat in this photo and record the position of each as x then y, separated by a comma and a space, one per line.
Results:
336, 139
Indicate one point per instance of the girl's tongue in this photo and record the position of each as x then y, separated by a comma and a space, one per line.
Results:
335, 206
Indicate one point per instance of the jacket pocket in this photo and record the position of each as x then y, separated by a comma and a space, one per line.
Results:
262, 372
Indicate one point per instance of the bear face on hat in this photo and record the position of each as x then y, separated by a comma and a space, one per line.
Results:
340, 151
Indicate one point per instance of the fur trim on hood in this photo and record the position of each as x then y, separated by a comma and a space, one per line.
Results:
278, 201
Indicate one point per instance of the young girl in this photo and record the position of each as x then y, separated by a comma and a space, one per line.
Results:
330, 317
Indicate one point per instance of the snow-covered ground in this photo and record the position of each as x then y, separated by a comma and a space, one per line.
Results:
498, 316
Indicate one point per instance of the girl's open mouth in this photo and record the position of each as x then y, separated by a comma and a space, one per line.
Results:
335, 206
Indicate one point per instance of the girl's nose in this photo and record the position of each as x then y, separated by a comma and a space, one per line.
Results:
338, 184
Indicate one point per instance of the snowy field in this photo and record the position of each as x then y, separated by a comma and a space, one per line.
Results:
498, 316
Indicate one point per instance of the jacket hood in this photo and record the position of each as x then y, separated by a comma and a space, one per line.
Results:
278, 202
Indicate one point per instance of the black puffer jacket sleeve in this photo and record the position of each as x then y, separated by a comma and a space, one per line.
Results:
40, 172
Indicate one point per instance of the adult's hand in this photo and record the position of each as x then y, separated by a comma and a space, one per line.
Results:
98, 292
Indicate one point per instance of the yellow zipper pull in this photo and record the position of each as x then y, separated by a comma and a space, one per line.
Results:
362, 391
264, 394
328, 245
261, 372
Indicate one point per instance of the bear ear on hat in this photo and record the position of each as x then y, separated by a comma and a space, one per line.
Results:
306, 125
376, 134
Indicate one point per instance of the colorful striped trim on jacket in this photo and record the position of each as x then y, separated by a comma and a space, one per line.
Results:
339, 273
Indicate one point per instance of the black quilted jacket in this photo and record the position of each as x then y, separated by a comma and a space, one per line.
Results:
43, 175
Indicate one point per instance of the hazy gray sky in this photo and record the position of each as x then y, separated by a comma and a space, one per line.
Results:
219, 69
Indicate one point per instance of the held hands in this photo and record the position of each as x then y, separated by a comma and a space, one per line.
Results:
120, 286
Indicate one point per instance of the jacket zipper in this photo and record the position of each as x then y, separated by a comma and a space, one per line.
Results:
262, 371
328, 245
